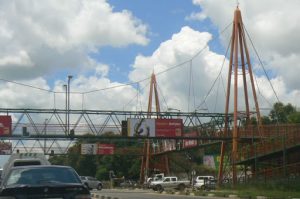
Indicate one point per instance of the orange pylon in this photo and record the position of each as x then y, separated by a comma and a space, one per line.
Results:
145, 165
239, 49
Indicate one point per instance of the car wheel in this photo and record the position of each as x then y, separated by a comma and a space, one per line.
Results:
99, 187
87, 186
159, 188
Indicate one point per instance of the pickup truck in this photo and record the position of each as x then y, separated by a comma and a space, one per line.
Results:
169, 182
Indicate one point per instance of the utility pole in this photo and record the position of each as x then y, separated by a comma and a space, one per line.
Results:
66, 116
68, 122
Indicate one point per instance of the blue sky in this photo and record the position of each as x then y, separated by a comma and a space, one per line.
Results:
106, 44
163, 19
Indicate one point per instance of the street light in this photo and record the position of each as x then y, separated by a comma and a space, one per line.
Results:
69, 80
66, 116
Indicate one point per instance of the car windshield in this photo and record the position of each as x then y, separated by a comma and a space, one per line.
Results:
41, 175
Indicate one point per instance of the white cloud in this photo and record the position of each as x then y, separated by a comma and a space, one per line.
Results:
175, 84
21, 59
196, 16
50, 35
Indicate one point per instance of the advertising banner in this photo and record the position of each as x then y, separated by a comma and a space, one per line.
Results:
5, 148
5, 125
209, 161
168, 127
190, 143
88, 149
141, 127
106, 149
169, 145
154, 127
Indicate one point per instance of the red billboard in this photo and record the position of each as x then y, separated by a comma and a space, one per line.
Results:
190, 143
5, 125
106, 149
168, 127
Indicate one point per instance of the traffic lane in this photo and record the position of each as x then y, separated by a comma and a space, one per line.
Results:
143, 194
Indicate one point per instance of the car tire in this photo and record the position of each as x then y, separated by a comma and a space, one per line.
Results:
159, 188
99, 187
87, 186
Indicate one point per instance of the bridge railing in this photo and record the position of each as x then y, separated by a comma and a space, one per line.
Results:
274, 139
267, 131
288, 172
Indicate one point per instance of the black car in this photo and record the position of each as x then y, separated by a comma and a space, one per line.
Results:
45, 181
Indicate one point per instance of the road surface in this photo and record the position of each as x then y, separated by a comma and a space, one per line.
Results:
140, 194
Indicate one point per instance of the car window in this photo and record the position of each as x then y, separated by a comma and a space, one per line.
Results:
36, 176
173, 179
167, 180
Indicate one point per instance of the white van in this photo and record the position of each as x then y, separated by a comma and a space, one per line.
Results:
24, 159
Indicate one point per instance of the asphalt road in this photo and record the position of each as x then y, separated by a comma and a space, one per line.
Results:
140, 194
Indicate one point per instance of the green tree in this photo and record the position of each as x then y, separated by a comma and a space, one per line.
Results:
294, 117
280, 112
266, 120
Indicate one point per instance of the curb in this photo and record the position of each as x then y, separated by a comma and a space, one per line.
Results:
94, 195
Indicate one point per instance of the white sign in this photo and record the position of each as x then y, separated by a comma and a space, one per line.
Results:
88, 149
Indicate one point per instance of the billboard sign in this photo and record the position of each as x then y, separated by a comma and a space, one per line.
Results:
190, 143
88, 149
168, 127
5, 148
209, 161
169, 145
141, 127
106, 149
5, 125
154, 127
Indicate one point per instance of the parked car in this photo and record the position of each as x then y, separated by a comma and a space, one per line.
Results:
43, 181
205, 182
169, 182
91, 182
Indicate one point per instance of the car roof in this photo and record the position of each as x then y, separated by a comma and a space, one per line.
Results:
40, 166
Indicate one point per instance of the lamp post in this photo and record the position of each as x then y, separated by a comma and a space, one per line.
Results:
66, 116
68, 123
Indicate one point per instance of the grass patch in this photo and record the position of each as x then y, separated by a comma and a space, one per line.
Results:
277, 189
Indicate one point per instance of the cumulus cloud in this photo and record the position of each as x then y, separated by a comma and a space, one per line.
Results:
38, 37
196, 16
184, 85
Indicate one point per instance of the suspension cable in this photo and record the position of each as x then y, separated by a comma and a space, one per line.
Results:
220, 72
261, 63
